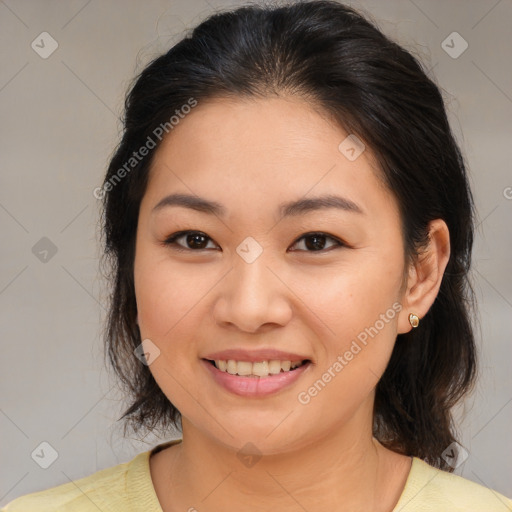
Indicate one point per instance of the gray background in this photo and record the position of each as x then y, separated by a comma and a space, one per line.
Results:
59, 127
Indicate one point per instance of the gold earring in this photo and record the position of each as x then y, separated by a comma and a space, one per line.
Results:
414, 320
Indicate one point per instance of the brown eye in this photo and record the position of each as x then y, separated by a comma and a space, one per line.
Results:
196, 241
316, 242
193, 240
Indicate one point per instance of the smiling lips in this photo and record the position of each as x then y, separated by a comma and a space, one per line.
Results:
256, 369
254, 356
255, 373
253, 386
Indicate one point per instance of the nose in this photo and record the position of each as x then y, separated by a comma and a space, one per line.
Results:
253, 297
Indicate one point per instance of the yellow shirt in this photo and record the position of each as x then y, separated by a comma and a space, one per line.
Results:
128, 487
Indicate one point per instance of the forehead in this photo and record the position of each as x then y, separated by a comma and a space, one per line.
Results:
262, 151
270, 130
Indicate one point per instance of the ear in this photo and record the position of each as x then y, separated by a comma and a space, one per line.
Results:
425, 275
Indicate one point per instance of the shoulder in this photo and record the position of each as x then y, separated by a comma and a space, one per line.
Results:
107, 489
431, 489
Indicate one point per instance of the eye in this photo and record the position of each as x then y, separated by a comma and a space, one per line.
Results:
194, 240
197, 241
317, 241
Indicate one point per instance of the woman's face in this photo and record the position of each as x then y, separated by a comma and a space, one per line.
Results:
251, 279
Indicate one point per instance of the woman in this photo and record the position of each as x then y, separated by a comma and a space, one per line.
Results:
290, 226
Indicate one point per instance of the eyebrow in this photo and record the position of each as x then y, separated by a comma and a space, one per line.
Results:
288, 209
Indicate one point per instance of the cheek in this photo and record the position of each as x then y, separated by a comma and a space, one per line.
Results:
167, 295
357, 332
348, 299
355, 317
171, 300
168, 304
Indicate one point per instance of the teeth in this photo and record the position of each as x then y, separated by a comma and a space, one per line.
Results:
258, 369
274, 367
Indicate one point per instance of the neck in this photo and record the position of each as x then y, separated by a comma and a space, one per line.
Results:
348, 470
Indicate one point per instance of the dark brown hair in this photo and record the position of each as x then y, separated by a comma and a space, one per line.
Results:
337, 60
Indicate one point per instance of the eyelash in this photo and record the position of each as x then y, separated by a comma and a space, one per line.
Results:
171, 241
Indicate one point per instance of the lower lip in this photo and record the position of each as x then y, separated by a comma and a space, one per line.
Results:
255, 386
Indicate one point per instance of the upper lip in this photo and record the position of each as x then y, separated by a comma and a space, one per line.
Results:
255, 355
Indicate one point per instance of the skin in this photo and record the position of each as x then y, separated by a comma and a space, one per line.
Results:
251, 155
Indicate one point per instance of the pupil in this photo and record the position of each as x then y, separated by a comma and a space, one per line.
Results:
316, 244
195, 237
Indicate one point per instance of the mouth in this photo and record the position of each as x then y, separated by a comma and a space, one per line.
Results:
257, 370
